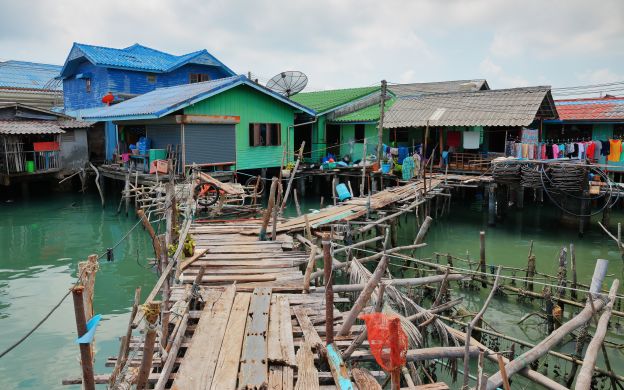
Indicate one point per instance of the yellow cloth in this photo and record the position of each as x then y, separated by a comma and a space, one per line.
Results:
525, 150
615, 150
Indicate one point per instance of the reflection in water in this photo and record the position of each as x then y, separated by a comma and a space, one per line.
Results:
42, 241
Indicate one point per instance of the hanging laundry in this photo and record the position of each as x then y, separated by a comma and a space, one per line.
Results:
597, 150
606, 148
403, 153
590, 150
407, 171
555, 151
471, 139
453, 139
615, 150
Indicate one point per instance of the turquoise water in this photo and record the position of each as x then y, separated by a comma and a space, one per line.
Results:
42, 241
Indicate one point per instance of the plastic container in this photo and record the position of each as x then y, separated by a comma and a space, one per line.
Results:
385, 167
343, 192
157, 154
30, 166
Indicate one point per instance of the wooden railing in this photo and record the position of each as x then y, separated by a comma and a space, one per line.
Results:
471, 161
16, 161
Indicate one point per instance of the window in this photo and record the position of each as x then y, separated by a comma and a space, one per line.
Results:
68, 136
88, 85
151, 78
399, 135
198, 77
265, 134
359, 133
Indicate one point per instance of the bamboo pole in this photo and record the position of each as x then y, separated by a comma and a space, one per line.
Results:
583, 381
474, 322
411, 282
363, 183
86, 357
329, 293
482, 256
309, 269
558, 335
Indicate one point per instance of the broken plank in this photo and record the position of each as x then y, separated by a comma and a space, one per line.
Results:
307, 374
274, 353
253, 370
286, 335
310, 334
338, 369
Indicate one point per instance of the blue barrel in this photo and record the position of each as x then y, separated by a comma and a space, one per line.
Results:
343, 192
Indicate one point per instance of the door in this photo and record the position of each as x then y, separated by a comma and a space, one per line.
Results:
208, 144
332, 139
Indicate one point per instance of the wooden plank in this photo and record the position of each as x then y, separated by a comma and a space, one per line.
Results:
364, 380
338, 369
253, 370
274, 353
286, 334
288, 375
198, 367
232, 278
307, 374
275, 378
229, 357
307, 328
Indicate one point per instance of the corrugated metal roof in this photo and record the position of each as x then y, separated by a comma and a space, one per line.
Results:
30, 127
414, 89
503, 107
323, 101
137, 57
366, 114
163, 101
602, 109
29, 75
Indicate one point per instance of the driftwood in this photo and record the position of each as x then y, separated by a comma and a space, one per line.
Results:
558, 335
269, 210
583, 381
412, 282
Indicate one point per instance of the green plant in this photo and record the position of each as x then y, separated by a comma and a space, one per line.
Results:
171, 250
189, 246
290, 166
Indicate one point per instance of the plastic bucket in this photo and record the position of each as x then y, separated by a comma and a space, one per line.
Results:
385, 168
30, 166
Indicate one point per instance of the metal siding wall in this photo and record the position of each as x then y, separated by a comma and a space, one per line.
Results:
163, 135
210, 143
74, 90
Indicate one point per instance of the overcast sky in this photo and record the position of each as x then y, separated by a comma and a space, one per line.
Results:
343, 43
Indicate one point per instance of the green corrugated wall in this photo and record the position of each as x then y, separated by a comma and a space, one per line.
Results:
252, 107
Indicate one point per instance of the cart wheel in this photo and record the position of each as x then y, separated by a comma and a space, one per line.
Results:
250, 184
206, 194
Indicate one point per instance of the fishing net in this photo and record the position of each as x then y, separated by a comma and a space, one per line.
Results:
388, 342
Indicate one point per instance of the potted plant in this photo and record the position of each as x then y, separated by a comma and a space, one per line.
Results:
288, 169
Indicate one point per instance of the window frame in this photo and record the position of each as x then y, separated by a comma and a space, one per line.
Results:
198, 77
271, 131
362, 128
88, 85
151, 78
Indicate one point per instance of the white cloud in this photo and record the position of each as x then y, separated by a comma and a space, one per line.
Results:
599, 76
498, 77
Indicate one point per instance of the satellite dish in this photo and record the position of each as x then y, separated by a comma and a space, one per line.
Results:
288, 83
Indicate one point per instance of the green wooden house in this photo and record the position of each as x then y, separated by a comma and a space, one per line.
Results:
231, 121
344, 117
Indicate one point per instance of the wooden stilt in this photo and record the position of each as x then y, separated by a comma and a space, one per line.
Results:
86, 358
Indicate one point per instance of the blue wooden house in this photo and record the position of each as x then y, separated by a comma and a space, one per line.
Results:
92, 72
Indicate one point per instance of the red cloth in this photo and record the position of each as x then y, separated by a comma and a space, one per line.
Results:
453, 139
590, 148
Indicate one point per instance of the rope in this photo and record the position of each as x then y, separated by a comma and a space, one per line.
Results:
55, 307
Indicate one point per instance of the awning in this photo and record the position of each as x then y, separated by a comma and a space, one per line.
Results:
30, 127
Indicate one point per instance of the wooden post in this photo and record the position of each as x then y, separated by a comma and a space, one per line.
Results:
530, 272
291, 178
86, 358
482, 258
276, 211
297, 207
363, 183
269, 210
309, 269
395, 374
491, 205
329, 292
334, 184
573, 263
152, 311
424, 162
501, 367
127, 192
382, 106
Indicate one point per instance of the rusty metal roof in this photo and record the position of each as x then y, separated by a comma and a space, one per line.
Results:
605, 109
501, 107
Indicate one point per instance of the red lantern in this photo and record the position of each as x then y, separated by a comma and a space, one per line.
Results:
108, 99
